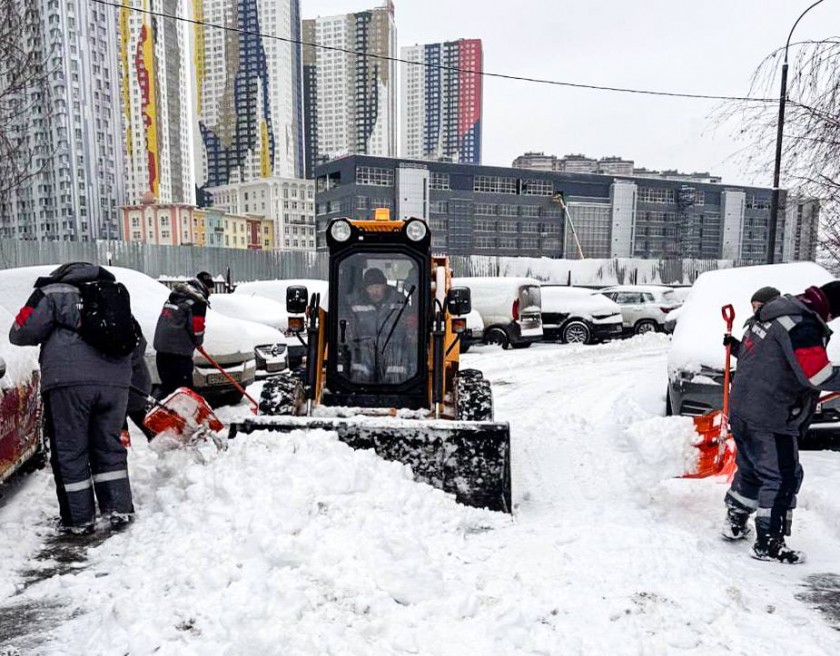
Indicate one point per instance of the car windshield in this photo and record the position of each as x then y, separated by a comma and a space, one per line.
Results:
378, 312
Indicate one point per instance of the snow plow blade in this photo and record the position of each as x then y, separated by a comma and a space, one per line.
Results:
470, 459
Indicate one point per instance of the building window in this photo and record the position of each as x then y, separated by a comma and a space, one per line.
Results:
528, 242
508, 210
439, 206
537, 187
485, 208
485, 225
439, 181
507, 226
375, 177
658, 195
485, 242
493, 184
529, 210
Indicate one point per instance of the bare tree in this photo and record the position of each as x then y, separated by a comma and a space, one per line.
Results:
24, 88
811, 140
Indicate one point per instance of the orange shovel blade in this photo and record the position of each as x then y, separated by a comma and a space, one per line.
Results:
716, 451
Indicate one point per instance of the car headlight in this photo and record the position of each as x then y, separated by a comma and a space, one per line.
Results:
416, 230
340, 230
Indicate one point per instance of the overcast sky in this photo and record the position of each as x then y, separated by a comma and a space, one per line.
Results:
700, 46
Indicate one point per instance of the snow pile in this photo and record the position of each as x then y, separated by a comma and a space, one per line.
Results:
699, 333
275, 290
252, 308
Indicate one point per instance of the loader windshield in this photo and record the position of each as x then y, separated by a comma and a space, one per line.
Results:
378, 318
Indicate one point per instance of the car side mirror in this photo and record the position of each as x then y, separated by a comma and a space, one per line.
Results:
296, 299
2, 367
459, 301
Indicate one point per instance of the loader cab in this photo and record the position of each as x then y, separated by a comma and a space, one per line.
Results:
380, 303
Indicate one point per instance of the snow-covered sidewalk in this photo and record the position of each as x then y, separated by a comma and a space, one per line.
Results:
297, 545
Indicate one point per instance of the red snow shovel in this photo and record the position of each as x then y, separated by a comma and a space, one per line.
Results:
716, 446
256, 406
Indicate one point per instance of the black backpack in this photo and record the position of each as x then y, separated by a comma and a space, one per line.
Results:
107, 324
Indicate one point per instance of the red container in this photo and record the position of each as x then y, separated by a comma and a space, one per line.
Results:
183, 413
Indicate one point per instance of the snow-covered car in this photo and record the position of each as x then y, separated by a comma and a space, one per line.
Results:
474, 334
579, 315
230, 342
643, 307
272, 357
671, 321
275, 290
21, 438
509, 308
696, 358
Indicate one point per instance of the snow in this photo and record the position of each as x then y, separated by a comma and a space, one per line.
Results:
578, 301
275, 290
699, 332
295, 544
253, 308
20, 361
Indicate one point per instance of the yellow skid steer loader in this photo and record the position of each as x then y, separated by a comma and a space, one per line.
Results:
382, 364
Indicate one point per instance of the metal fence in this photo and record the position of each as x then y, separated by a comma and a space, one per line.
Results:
246, 265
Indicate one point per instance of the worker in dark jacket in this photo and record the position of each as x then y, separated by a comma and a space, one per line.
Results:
761, 296
380, 340
782, 366
85, 395
180, 330
141, 388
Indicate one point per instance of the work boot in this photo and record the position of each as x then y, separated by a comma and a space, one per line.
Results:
770, 544
120, 520
736, 525
74, 529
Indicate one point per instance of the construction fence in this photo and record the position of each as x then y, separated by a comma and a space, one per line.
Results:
245, 265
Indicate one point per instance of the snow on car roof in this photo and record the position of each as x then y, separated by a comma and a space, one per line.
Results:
251, 308
276, 289
637, 288
699, 332
557, 298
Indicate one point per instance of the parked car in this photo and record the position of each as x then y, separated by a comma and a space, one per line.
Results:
272, 357
579, 315
22, 444
696, 358
509, 308
275, 290
644, 308
230, 342
474, 334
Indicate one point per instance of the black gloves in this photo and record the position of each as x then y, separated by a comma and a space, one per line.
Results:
729, 340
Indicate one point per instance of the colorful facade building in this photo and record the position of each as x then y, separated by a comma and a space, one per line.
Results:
247, 91
164, 224
442, 101
349, 86
236, 231
154, 66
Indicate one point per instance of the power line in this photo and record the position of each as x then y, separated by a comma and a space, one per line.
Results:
456, 69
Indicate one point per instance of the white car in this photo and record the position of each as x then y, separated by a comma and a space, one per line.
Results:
509, 308
230, 342
474, 334
579, 315
275, 290
644, 308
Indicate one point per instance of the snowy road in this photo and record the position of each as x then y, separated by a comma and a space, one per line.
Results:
297, 545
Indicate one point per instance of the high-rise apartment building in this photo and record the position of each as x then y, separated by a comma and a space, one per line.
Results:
155, 58
73, 115
247, 91
350, 95
442, 101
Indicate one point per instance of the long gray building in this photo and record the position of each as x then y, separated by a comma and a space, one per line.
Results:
487, 210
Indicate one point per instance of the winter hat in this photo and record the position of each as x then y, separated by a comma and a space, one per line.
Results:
831, 290
207, 280
373, 277
765, 295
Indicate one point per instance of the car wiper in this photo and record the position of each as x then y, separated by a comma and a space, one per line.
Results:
399, 314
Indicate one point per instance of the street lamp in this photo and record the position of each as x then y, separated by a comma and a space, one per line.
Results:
774, 201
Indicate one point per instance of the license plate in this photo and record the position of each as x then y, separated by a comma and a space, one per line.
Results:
219, 379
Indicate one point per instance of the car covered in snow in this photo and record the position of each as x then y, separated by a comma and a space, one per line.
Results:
474, 333
579, 315
696, 358
275, 290
273, 357
230, 342
21, 438
644, 308
510, 309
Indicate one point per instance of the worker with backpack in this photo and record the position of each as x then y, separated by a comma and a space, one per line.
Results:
81, 318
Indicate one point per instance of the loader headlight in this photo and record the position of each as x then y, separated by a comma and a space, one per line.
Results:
340, 230
416, 230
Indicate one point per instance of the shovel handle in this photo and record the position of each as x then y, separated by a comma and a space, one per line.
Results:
728, 314
230, 379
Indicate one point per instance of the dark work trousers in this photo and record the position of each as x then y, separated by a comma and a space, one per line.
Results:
174, 371
86, 454
769, 474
